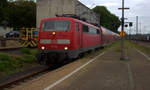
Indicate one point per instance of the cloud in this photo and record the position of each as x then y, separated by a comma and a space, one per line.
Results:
109, 4
139, 8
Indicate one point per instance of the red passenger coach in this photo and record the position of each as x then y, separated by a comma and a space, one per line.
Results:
108, 37
65, 37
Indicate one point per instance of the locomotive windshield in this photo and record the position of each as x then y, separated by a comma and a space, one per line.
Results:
56, 25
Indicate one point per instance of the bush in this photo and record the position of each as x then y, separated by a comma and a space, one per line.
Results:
11, 64
25, 51
8, 63
4, 56
34, 51
29, 58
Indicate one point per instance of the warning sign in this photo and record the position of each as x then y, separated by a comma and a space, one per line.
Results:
122, 33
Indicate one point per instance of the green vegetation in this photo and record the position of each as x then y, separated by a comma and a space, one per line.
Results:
18, 14
25, 51
34, 51
107, 19
139, 47
28, 58
11, 64
29, 51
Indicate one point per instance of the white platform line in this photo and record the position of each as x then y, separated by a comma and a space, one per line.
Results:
143, 54
76, 70
132, 86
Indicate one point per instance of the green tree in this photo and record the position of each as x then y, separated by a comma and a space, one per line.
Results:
107, 19
3, 10
19, 13
3, 3
22, 14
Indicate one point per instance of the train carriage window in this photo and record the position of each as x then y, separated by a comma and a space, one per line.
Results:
92, 30
85, 28
77, 27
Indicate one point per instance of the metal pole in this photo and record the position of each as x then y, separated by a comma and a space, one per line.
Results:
144, 30
122, 29
130, 33
137, 26
140, 28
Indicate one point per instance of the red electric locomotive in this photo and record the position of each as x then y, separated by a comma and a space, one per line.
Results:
62, 37
66, 37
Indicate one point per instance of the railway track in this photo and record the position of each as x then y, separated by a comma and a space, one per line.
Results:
10, 80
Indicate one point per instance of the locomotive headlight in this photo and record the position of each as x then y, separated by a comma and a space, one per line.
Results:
54, 33
42, 48
65, 48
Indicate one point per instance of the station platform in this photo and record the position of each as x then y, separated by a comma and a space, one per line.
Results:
105, 71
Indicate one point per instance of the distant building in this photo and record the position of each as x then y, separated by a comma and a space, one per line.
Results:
51, 8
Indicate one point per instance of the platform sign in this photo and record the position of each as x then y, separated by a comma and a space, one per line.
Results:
122, 33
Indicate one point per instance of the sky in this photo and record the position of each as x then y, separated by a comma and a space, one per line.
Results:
140, 8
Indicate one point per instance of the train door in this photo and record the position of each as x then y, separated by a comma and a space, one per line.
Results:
80, 35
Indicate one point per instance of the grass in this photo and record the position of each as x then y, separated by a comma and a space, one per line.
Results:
11, 64
25, 51
139, 47
29, 51
34, 51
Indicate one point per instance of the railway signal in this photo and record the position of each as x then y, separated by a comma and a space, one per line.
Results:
126, 25
130, 24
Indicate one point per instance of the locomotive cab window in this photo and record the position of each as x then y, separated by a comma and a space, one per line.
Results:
56, 25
